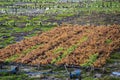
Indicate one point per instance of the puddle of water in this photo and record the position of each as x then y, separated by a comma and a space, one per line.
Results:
116, 74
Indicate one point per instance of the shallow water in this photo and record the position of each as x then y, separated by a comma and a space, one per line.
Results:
59, 75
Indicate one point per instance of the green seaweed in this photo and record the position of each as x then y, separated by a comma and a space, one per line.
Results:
69, 50
91, 60
15, 56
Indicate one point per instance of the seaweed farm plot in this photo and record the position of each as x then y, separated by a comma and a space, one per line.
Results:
68, 44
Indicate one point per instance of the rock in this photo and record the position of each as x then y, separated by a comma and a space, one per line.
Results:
14, 69
26, 70
97, 75
75, 74
5, 37
35, 75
